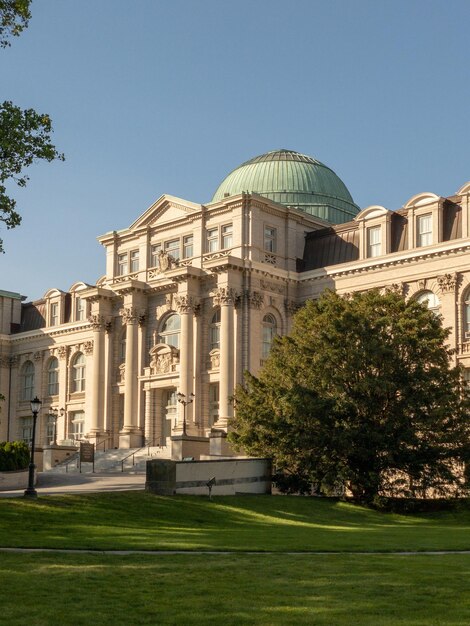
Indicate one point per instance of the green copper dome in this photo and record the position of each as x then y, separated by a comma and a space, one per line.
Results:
294, 180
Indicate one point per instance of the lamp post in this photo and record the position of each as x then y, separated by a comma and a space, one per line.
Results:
182, 399
31, 492
54, 413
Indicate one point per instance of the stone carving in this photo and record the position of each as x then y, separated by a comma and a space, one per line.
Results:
267, 285
270, 258
132, 315
166, 261
214, 356
184, 303
121, 372
37, 355
255, 299
62, 351
5, 360
224, 295
88, 347
291, 306
163, 359
447, 282
422, 284
97, 322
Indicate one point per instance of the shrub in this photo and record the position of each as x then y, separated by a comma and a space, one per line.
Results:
14, 455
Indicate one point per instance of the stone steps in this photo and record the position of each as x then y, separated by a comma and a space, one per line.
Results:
115, 461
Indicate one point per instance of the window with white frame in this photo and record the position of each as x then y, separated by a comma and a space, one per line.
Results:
122, 264
214, 331
134, 260
188, 246
54, 313
173, 248
26, 429
424, 230
212, 239
170, 332
27, 381
80, 309
227, 236
213, 403
430, 300
50, 428
78, 373
53, 377
155, 254
374, 241
77, 425
269, 332
270, 239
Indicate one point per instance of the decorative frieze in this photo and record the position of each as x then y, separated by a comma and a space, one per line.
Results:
268, 285
163, 359
447, 282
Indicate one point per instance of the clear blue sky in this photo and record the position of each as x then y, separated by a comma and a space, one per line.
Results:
151, 96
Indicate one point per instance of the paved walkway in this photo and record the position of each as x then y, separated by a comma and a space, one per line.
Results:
49, 484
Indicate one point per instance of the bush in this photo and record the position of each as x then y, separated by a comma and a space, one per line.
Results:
14, 455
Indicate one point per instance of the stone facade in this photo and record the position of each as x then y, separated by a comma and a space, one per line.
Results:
191, 298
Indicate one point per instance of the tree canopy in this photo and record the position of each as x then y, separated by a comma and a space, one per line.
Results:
25, 136
363, 396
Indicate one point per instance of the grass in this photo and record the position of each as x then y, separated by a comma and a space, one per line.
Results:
245, 587
330, 590
137, 520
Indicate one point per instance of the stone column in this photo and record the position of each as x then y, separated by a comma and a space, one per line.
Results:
225, 298
98, 382
185, 305
448, 285
131, 434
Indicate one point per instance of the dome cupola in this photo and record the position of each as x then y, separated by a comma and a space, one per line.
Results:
294, 180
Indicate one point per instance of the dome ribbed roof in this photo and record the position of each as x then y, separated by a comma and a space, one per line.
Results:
295, 180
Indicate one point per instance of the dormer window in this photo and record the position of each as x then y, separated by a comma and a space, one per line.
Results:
424, 230
374, 241
54, 314
80, 309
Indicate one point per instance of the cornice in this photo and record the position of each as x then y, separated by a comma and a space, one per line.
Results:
65, 329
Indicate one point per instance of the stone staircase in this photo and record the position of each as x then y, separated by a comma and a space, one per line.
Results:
127, 460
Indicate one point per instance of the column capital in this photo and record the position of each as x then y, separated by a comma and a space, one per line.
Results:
224, 296
132, 315
97, 321
186, 304
448, 282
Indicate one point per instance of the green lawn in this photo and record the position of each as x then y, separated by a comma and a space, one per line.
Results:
137, 520
245, 587
330, 590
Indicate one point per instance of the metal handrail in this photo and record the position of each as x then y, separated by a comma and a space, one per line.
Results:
103, 441
75, 457
148, 445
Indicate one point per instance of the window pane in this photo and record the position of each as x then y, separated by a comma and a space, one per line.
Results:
154, 261
188, 247
53, 377
227, 232
270, 237
212, 239
122, 264
173, 248
374, 244
424, 228
134, 261
54, 314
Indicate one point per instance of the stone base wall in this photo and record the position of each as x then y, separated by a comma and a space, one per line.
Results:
10, 481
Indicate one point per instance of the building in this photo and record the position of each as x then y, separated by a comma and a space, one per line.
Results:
193, 295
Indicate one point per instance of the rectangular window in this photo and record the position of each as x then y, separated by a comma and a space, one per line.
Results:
26, 429
270, 239
54, 314
213, 403
188, 246
227, 238
374, 241
134, 261
80, 309
77, 425
155, 255
424, 230
212, 239
173, 248
122, 264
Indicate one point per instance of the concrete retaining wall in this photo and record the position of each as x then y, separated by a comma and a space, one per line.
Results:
14, 480
232, 476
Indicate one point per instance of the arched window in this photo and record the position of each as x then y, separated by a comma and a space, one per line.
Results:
53, 377
170, 332
430, 300
269, 331
466, 316
78, 373
27, 381
214, 331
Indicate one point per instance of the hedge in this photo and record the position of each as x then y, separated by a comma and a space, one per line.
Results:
14, 455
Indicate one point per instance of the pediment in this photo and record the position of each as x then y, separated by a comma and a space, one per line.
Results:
166, 209
421, 199
372, 212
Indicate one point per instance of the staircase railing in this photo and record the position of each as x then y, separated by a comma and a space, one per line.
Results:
75, 457
103, 443
148, 445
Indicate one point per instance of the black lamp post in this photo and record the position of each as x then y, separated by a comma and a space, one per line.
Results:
185, 401
31, 492
54, 413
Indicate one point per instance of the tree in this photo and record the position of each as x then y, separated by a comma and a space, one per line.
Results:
25, 136
362, 395
14, 17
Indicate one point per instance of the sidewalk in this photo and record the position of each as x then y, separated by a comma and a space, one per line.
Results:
49, 484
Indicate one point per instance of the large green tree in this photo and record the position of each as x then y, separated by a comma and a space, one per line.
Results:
25, 136
362, 395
